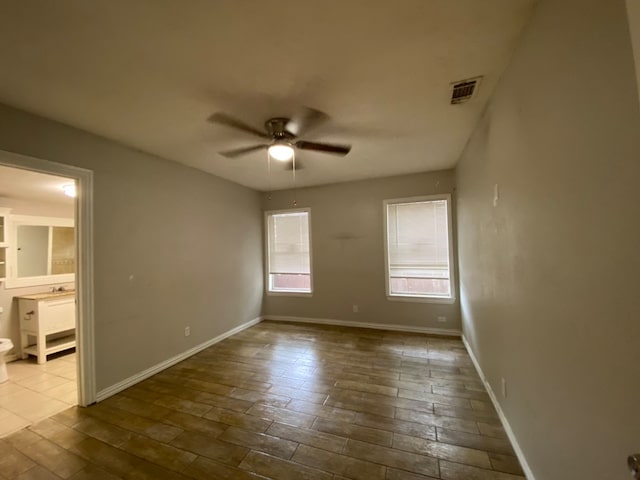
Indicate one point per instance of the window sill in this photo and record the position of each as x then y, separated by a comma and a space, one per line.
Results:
409, 298
289, 294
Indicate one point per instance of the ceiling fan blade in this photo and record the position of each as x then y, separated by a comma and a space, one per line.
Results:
228, 121
324, 147
304, 120
241, 151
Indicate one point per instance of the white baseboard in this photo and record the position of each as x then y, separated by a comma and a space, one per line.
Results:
505, 423
377, 326
138, 377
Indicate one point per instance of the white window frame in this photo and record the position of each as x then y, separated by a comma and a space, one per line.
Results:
267, 281
397, 297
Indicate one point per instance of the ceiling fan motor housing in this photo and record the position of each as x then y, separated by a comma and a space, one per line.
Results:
276, 128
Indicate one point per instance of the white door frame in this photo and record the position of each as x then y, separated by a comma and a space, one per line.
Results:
84, 265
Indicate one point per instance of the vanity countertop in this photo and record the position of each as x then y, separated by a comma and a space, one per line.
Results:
47, 295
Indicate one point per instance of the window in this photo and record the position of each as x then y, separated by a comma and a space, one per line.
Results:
418, 248
289, 251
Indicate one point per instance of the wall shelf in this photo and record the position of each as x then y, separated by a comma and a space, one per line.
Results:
53, 346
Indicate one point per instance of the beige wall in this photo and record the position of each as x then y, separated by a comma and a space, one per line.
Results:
549, 277
348, 253
191, 241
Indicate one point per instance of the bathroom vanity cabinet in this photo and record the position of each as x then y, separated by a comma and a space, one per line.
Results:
50, 318
4, 245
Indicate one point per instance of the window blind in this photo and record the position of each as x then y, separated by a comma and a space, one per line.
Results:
418, 248
289, 243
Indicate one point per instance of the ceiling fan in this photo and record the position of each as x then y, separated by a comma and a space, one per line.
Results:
281, 135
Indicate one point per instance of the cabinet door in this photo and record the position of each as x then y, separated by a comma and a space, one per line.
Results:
4, 216
58, 315
3, 263
3, 228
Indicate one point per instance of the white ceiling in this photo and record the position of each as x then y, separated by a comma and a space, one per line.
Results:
148, 73
25, 185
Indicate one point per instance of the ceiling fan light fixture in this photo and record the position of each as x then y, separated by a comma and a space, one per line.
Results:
281, 151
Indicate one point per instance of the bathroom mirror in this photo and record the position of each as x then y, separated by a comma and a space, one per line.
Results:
42, 251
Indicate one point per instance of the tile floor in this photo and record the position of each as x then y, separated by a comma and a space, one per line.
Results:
287, 402
35, 392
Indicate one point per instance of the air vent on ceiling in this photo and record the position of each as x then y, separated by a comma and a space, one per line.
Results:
464, 90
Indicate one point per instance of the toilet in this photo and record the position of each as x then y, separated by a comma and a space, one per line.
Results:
5, 345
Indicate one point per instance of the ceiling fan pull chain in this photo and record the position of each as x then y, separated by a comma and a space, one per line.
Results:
269, 175
295, 193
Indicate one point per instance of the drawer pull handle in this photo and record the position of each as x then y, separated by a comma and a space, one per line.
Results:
32, 312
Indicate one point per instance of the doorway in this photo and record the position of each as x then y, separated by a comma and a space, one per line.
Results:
47, 210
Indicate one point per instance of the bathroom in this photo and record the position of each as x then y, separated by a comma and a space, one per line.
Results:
38, 371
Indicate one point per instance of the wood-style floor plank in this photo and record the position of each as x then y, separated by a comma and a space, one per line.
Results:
284, 401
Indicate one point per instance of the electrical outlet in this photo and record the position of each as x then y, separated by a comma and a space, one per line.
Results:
187, 331
442, 319
355, 309
504, 388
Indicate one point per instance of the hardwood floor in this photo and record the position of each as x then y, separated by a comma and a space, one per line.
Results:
284, 401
